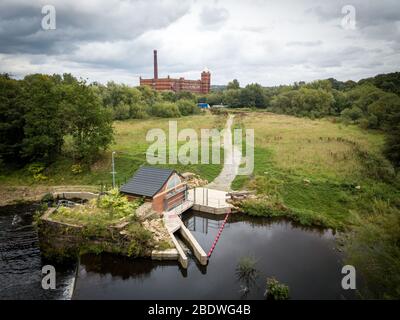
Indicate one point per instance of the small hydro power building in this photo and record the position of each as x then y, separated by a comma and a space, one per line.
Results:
165, 188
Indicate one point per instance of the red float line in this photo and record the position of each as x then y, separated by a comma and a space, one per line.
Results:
218, 235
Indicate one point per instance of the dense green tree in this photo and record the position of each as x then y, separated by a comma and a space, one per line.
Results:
215, 98
231, 98
387, 82
233, 85
185, 95
44, 118
11, 119
89, 123
253, 96
187, 107
392, 145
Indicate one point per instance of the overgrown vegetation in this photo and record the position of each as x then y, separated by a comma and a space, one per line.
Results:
130, 146
101, 221
107, 210
276, 290
372, 103
374, 248
142, 102
318, 172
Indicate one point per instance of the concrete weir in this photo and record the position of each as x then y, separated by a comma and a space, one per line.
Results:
175, 225
200, 199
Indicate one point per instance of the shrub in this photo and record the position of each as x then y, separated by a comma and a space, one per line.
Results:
276, 290
352, 114
187, 107
48, 197
36, 170
117, 204
138, 111
140, 240
374, 249
121, 112
76, 169
165, 110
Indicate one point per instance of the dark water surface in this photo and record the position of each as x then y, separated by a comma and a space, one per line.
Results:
20, 259
304, 259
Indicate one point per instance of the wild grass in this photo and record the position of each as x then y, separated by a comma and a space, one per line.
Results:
130, 145
312, 148
318, 172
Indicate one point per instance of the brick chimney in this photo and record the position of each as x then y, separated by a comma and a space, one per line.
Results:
155, 65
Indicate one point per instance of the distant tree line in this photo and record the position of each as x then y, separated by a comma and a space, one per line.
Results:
39, 113
127, 102
372, 103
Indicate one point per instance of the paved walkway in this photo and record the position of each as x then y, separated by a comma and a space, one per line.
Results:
209, 197
232, 159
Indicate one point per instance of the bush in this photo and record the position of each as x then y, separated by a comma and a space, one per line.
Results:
76, 169
187, 107
121, 112
374, 249
165, 110
36, 170
352, 114
138, 111
117, 204
140, 240
276, 290
48, 197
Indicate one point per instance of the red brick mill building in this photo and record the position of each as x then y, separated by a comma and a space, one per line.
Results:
201, 86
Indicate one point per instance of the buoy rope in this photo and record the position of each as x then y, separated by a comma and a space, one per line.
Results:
218, 235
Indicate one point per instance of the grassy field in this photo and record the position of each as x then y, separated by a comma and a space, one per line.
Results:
324, 173
130, 145
316, 166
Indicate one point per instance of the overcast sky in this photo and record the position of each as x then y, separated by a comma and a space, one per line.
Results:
269, 42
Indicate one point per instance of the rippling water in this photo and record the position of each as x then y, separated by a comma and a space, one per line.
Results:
20, 259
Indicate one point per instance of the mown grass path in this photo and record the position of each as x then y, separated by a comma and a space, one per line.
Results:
232, 159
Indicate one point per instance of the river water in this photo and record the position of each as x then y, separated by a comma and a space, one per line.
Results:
20, 259
304, 259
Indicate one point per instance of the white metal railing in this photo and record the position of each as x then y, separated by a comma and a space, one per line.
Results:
181, 207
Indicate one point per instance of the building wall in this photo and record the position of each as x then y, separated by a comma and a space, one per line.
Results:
159, 200
181, 84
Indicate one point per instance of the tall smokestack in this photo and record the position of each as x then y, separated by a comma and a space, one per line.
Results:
155, 65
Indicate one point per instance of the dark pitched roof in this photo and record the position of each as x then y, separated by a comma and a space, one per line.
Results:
147, 181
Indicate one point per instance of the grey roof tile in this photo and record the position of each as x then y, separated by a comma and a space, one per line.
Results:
147, 181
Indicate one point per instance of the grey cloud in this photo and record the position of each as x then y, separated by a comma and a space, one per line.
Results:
368, 13
20, 26
212, 16
304, 43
